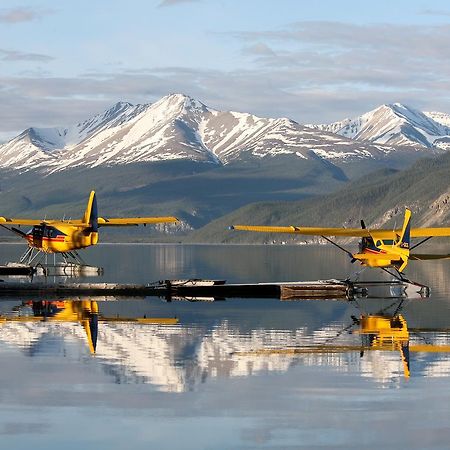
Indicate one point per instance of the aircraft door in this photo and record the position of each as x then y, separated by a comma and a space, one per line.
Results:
38, 234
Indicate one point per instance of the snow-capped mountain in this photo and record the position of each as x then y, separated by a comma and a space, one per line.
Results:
43, 147
396, 124
164, 130
35, 146
115, 116
178, 127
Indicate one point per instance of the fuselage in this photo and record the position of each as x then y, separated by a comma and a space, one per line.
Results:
60, 238
382, 253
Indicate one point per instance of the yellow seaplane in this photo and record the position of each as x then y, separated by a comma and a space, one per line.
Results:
65, 237
382, 248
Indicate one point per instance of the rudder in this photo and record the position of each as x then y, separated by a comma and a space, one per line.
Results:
90, 216
404, 240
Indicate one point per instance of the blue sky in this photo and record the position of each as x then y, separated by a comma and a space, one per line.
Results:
311, 61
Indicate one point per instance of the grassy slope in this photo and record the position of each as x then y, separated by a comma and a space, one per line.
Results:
200, 193
195, 192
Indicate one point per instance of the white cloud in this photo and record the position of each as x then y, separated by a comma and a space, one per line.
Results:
19, 15
434, 12
13, 55
175, 2
310, 71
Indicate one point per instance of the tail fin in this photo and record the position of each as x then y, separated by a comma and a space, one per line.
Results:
404, 240
91, 214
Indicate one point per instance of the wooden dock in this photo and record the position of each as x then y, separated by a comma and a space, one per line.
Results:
325, 289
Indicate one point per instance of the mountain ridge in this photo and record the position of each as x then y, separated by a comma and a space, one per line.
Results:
178, 127
178, 156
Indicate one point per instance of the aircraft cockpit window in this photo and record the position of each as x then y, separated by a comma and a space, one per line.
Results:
38, 231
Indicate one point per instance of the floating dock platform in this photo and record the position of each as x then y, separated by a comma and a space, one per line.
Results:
17, 270
325, 289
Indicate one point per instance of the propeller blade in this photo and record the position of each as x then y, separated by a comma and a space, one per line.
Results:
368, 240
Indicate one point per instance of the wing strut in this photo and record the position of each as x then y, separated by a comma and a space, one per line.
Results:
340, 248
15, 230
421, 242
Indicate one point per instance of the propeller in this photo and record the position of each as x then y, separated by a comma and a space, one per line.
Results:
365, 241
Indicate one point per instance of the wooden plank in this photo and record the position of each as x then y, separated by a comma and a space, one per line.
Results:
302, 292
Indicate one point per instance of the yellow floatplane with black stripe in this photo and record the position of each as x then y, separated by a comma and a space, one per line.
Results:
68, 236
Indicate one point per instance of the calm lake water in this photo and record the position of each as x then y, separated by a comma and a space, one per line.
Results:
238, 373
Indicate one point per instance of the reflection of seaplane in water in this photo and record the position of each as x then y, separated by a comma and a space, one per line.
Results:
65, 237
85, 312
383, 331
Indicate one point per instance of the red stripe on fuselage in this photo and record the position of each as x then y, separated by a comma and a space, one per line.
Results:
376, 252
57, 239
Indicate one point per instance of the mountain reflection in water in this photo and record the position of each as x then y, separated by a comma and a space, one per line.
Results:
177, 356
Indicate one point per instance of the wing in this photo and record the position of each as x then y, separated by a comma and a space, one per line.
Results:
6, 222
130, 221
348, 232
317, 231
30, 222
102, 221
430, 232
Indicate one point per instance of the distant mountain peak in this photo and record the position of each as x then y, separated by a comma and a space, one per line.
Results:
118, 107
393, 124
46, 139
179, 103
398, 106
